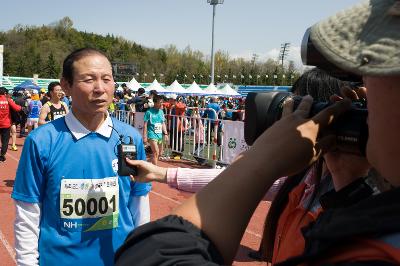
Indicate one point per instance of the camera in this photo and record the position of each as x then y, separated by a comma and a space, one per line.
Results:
265, 108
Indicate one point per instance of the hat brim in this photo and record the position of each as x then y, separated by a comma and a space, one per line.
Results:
364, 39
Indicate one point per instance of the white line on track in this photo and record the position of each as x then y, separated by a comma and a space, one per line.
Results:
165, 197
12, 157
7, 245
179, 203
3, 239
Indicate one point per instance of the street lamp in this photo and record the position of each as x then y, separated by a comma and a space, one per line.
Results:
214, 3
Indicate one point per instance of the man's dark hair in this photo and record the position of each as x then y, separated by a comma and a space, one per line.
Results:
3, 91
52, 85
153, 92
140, 91
123, 85
68, 70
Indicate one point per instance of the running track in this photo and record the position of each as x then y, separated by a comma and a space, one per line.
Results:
163, 199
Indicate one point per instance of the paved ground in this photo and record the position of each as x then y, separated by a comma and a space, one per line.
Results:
163, 199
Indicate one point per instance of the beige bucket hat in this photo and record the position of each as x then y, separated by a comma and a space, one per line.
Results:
364, 39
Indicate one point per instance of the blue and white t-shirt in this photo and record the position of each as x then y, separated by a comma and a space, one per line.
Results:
85, 205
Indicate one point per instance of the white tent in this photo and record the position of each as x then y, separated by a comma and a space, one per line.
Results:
177, 88
227, 90
156, 86
194, 89
133, 85
211, 89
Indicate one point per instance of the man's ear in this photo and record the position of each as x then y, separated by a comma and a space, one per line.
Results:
65, 86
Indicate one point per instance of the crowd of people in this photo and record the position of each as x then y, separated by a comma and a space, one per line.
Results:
329, 206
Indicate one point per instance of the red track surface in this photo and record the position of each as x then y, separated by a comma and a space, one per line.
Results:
163, 199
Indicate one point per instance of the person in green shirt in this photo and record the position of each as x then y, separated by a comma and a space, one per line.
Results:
154, 128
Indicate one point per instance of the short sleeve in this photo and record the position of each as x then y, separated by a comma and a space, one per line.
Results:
146, 116
29, 182
168, 241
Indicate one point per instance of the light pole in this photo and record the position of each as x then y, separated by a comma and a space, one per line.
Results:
214, 3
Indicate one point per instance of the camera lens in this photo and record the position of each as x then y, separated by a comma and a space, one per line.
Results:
264, 109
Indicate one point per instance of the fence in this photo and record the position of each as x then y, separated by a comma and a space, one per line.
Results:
206, 140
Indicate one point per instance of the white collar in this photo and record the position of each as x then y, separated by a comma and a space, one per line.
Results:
79, 131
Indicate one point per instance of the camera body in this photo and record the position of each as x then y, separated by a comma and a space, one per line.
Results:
264, 109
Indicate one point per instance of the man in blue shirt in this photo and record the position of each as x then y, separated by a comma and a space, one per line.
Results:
72, 208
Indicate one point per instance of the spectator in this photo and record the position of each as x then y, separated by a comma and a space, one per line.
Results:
23, 114
6, 104
177, 128
139, 101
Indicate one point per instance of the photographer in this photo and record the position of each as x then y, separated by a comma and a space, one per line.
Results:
364, 40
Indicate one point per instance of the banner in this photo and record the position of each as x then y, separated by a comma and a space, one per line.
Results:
234, 142
139, 122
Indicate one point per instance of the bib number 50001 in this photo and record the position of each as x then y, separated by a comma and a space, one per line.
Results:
89, 207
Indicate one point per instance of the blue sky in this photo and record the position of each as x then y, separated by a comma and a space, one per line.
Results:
243, 27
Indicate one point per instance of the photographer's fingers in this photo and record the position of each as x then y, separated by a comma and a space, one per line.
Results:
362, 92
349, 93
329, 114
305, 106
288, 105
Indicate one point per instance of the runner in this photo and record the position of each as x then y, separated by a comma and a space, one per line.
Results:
72, 208
54, 108
34, 110
154, 128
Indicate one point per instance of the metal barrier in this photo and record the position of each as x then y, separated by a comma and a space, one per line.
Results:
193, 137
124, 116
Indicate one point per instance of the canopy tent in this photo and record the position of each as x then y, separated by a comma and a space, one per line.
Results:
211, 90
156, 86
27, 84
194, 89
227, 90
133, 85
177, 88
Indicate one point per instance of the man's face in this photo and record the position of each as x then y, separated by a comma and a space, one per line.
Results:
383, 148
56, 94
92, 89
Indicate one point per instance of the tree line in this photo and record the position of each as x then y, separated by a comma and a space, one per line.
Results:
40, 50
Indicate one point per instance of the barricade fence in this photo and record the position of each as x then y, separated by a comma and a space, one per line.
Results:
192, 137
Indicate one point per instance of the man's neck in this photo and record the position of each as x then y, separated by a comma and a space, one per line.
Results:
90, 121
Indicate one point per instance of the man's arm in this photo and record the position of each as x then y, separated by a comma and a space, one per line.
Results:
44, 111
26, 230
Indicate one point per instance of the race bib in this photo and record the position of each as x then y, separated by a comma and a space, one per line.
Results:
58, 116
89, 204
158, 128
